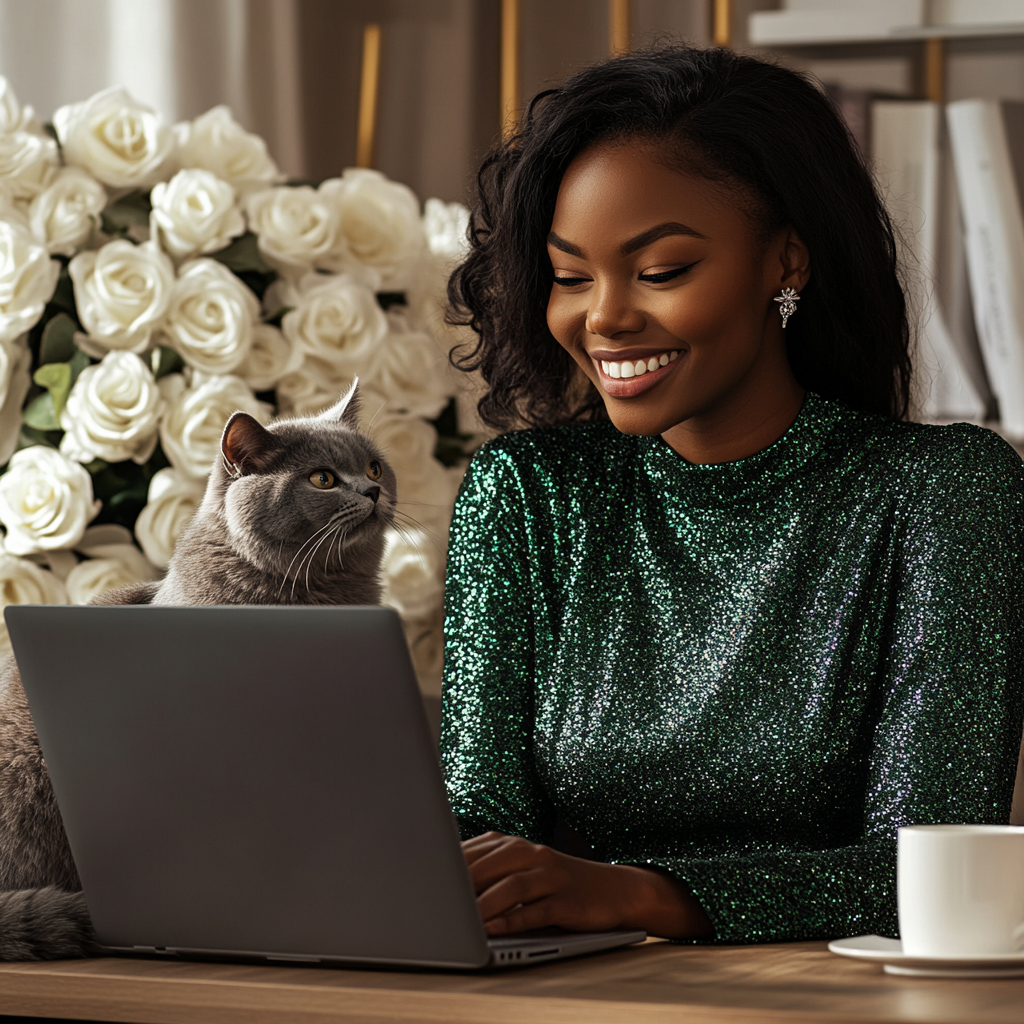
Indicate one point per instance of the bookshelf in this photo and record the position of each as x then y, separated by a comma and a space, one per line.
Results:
888, 58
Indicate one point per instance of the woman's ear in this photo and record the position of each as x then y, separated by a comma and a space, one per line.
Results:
795, 261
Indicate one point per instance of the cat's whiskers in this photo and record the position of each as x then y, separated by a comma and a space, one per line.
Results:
415, 522
335, 525
309, 540
309, 561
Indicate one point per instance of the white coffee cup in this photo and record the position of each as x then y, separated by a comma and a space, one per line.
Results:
960, 889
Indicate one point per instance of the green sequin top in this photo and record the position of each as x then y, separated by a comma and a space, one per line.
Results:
747, 674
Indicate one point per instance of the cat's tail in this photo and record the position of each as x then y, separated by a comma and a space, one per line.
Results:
45, 924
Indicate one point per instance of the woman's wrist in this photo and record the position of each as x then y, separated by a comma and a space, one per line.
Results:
661, 905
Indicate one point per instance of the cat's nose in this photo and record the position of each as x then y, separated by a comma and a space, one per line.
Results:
373, 493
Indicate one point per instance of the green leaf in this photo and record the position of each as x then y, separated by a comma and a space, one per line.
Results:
165, 360
130, 211
56, 378
277, 316
243, 254
41, 414
29, 437
64, 294
79, 361
58, 344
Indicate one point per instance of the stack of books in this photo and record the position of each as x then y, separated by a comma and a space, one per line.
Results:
953, 181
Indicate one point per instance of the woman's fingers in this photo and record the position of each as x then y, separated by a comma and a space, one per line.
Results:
523, 887
508, 856
475, 848
540, 914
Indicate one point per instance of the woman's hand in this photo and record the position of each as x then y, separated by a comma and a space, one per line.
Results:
521, 886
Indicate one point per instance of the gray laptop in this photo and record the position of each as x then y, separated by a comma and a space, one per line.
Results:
256, 782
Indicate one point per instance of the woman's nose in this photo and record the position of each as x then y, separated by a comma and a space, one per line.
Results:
611, 312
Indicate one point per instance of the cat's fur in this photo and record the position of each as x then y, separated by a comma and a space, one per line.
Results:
263, 535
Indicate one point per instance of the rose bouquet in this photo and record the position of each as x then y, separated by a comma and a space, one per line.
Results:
154, 279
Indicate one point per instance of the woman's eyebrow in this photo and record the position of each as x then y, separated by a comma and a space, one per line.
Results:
560, 243
653, 234
634, 244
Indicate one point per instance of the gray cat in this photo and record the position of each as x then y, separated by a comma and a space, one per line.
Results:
294, 514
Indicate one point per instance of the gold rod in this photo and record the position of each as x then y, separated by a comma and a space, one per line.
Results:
619, 27
934, 69
509, 67
723, 23
368, 85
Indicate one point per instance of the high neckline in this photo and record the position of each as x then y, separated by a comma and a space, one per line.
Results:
817, 419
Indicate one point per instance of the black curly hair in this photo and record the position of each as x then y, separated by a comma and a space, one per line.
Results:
764, 130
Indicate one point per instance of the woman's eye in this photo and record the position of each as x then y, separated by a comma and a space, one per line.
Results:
665, 275
571, 282
374, 470
322, 478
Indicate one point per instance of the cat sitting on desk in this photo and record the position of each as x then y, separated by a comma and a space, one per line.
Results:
294, 513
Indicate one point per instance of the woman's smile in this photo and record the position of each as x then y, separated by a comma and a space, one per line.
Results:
626, 375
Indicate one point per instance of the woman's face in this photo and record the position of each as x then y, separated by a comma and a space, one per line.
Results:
663, 293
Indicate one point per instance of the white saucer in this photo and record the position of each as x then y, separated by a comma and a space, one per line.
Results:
889, 952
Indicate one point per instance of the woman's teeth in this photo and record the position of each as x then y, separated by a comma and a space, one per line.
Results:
639, 367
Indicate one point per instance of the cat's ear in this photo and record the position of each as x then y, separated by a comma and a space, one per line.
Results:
346, 410
246, 445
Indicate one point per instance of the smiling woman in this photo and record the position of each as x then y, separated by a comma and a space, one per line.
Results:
724, 613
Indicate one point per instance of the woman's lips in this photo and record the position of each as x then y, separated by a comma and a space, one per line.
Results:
630, 387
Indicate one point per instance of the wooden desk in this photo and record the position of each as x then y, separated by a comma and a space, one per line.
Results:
800, 983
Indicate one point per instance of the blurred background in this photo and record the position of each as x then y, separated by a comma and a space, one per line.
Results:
290, 69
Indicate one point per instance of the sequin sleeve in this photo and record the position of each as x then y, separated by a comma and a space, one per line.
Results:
949, 718
487, 731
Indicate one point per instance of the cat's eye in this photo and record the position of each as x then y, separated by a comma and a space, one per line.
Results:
374, 470
322, 478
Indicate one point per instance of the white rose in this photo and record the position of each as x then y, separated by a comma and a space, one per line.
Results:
115, 138
122, 293
109, 566
193, 213
27, 162
409, 444
216, 142
12, 210
210, 317
270, 357
15, 380
112, 412
13, 116
380, 219
46, 501
311, 388
446, 226
191, 429
336, 320
409, 370
173, 500
411, 571
296, 228
27, 279
64, 214
24, 582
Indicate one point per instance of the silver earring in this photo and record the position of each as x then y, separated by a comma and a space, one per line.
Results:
787, 303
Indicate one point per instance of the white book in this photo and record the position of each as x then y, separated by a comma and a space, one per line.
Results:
907, 158
987, 138
806, 21
975, 12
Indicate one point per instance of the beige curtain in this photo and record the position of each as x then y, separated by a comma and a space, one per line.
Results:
180, 56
